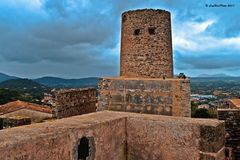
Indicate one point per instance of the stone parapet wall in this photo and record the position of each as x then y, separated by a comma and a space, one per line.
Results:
75, 102
14, 122
174, 138
232, 125
34, 115
58, 140
146, 44
154, 96
117, 136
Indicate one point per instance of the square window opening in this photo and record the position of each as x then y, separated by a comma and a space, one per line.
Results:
151, 31
136, 32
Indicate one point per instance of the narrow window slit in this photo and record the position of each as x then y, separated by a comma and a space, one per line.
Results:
83, 149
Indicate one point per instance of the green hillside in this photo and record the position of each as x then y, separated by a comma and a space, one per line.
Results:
4, 77
23, 89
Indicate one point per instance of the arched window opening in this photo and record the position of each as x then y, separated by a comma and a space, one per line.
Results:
83, 149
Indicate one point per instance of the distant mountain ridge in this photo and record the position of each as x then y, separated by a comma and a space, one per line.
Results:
213, 75
58, 82
4, 77
55, 82
68, 83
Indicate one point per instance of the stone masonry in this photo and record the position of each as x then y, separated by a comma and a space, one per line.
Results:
14, 122
232, 126
146, 83
146, 47
116, 136
154, 96
75, 102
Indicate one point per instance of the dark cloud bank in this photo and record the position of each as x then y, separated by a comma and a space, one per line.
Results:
72, 40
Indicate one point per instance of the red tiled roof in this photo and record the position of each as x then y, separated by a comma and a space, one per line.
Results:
17, 105
235, 102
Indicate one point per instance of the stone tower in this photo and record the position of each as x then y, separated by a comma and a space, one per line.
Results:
146, 83
146, 44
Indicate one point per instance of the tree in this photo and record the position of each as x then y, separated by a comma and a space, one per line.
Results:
201, 113
193, 108
7, 95
182, 75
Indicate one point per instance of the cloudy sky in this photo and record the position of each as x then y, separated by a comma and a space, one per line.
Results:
81, 38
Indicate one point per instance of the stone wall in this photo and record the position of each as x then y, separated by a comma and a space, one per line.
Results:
58, 140
154, 96
1, 123
116, 136
75, 102
35, 116
146, 44
14, 122
174, 138
232, 125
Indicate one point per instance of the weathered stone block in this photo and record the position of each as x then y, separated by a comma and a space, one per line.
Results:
153, 96
75, 102
220, 155
212, 138
232, 128
172, 138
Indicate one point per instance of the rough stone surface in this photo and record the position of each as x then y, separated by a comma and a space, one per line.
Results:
154, 96
75, 102
116, 136
232, 125
58, 140
173, 138
14, 122
1, 123
213, 138
34, 115
146, 44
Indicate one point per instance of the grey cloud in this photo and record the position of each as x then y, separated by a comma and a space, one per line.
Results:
30, 49
56, 6
83, 37
79, 39
94, 32
65, 70
221, 61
